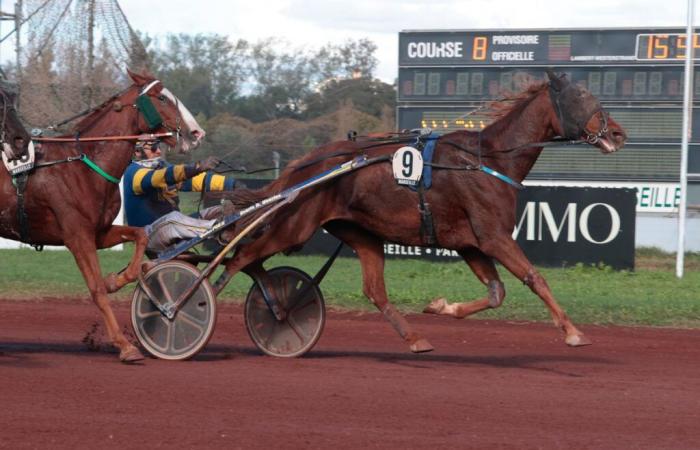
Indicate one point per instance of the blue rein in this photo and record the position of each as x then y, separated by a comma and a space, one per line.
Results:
429, 149
501, 177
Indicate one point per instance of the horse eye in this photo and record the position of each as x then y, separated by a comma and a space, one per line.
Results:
162, 98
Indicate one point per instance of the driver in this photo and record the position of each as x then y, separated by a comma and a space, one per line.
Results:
151, 199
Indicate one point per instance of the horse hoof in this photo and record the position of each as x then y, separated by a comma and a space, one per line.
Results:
111, 282
577, 340
435, 307
130, 355
421, 346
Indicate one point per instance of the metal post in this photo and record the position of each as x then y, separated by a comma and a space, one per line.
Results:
91, 50
276, 162
687, 91
18, 44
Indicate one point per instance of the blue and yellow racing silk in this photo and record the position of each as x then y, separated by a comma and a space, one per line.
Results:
151, 188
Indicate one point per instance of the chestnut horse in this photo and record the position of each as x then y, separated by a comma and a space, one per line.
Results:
72, 204
473, 211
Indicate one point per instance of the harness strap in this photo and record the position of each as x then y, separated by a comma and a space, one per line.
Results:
427, 227
98, 169
20, 182
426, 145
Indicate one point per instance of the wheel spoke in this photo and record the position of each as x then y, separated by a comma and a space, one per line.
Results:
162, 282
149, 314
171, 337
270, 334
299, 331
187, 317
303, 303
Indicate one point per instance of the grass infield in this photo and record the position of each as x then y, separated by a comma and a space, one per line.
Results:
650, 295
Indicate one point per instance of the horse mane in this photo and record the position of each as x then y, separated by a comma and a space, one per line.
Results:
498, 109
96, 113
243, 197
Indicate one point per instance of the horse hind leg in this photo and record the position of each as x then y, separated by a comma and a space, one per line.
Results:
370, 251
485, 270
118, 234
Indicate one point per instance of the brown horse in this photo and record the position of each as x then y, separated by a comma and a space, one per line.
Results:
14, 138
473, 211
71, 204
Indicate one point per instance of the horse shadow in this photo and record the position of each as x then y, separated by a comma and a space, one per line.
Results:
426, 361
15, 354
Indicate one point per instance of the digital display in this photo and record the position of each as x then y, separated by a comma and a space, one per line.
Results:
446, 76
543, 47
606, 83
644, 125
673, 46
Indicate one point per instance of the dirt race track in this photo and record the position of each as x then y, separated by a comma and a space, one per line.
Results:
488, 385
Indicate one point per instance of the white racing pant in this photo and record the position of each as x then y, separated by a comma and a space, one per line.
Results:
174, 227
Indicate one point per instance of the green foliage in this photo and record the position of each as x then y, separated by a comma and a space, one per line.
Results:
367, 95
267, 80
590, 294
205, 71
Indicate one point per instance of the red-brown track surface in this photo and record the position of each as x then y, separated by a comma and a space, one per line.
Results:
488, 385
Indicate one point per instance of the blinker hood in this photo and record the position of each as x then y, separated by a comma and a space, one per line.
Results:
566, 99
148, 111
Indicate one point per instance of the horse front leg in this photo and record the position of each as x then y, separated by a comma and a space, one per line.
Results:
370, 251
485, 270
508, 253
119, 234
85, 253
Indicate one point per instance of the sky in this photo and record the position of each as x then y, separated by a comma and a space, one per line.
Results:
313, 23
310, 24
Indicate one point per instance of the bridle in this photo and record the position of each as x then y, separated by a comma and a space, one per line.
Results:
8, 106
150, 114
573, 123
593, 138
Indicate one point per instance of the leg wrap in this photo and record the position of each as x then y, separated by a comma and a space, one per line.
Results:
497, 293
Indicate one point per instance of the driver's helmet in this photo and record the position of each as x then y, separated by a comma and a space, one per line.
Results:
151, 144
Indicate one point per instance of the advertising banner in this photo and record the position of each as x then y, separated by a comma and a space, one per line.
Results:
555, 226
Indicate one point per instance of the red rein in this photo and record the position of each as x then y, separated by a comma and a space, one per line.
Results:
133, 137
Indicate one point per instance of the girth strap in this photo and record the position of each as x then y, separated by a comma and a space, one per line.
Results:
20, 183
427, 228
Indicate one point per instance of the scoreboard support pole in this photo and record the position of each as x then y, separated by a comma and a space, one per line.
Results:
687, 91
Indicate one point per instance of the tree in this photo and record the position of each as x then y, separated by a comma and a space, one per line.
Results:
205, 71
282, 80
367, 95
353, 59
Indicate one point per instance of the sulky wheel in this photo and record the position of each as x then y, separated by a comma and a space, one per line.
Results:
191, 326
306, 314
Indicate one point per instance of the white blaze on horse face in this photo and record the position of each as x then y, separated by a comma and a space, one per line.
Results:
197, 133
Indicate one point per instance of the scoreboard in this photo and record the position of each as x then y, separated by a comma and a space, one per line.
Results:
445, 77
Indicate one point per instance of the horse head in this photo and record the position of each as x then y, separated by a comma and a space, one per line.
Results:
578, 115
14, 137
161, 111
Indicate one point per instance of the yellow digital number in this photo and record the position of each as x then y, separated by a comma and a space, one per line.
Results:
479, 49
658, 42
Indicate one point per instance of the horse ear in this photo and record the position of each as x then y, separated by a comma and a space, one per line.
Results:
555, 80
138, 79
